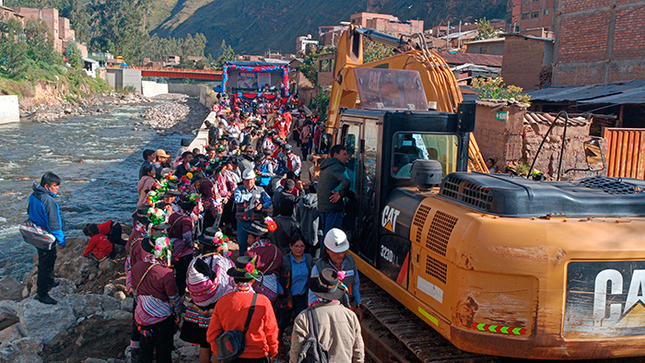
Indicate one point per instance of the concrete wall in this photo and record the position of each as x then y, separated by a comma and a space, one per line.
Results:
123, 78
9, 111
151, 89
186, 89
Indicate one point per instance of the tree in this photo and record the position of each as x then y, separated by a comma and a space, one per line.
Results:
485, 30
373, 51
73, 56
309, 65
228, 54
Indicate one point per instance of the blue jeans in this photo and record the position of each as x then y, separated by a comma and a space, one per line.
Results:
331, 220
242, 235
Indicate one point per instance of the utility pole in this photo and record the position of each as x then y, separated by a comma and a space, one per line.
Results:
448, 38
459, 38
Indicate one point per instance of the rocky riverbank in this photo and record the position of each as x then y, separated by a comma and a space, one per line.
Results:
97, 104
93, 318
179, 114
91, 322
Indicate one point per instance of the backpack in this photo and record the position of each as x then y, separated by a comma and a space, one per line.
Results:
231, 344
312, 351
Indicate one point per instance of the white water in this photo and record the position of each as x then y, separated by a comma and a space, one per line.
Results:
98, 159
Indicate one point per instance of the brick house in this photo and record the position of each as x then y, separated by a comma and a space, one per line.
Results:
387, 23
59, 27
532, 14
527, 61
599, 41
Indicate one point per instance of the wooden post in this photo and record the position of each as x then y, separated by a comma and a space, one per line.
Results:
619, 123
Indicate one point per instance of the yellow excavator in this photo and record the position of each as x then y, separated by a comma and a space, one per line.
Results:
498, 264
439, 83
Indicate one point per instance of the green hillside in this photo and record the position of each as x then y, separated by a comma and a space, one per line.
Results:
254, 26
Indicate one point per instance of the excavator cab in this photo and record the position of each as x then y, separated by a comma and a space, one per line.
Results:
383, 144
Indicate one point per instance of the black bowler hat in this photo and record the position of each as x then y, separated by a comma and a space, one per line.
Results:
241, 269
327, 285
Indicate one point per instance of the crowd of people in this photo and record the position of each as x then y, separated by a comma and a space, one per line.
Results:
243, 187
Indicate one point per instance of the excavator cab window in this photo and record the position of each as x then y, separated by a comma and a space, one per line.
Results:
409, 147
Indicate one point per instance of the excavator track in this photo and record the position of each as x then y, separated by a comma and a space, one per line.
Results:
393, 333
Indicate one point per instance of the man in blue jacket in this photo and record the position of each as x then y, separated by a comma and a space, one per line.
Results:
45, 213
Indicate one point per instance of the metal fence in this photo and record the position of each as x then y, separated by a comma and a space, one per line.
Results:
625, 152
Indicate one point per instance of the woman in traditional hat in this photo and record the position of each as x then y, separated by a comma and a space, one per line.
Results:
261, 338
181, 233
207, 281
268, 257
158, 302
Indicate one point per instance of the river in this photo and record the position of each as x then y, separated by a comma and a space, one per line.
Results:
98, 159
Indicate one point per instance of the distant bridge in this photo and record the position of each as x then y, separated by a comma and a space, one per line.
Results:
121, 78
178, 73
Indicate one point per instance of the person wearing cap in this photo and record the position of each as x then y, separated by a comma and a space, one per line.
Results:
251, 203
163, 161
293, 161
232, 310
246, 160
264, 168
333, 186
285, 194
268, 258
149, 158
336, 258
338, 329
181, 232
207, 282
158, 303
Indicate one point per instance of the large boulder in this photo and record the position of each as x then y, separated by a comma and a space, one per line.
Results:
24, 350
10, 289
50, 323
8, 313
101, 335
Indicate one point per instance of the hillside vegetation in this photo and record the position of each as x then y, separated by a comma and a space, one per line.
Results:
254, 26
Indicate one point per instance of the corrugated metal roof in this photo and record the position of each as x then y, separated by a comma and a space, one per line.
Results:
632, 92
472, 58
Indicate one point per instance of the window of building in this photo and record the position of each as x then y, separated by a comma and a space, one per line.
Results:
546, 11
534, 14
525, 16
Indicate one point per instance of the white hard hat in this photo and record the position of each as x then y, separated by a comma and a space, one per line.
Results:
336, 240
248, 174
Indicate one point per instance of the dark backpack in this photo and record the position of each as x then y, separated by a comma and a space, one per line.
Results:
312, 351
